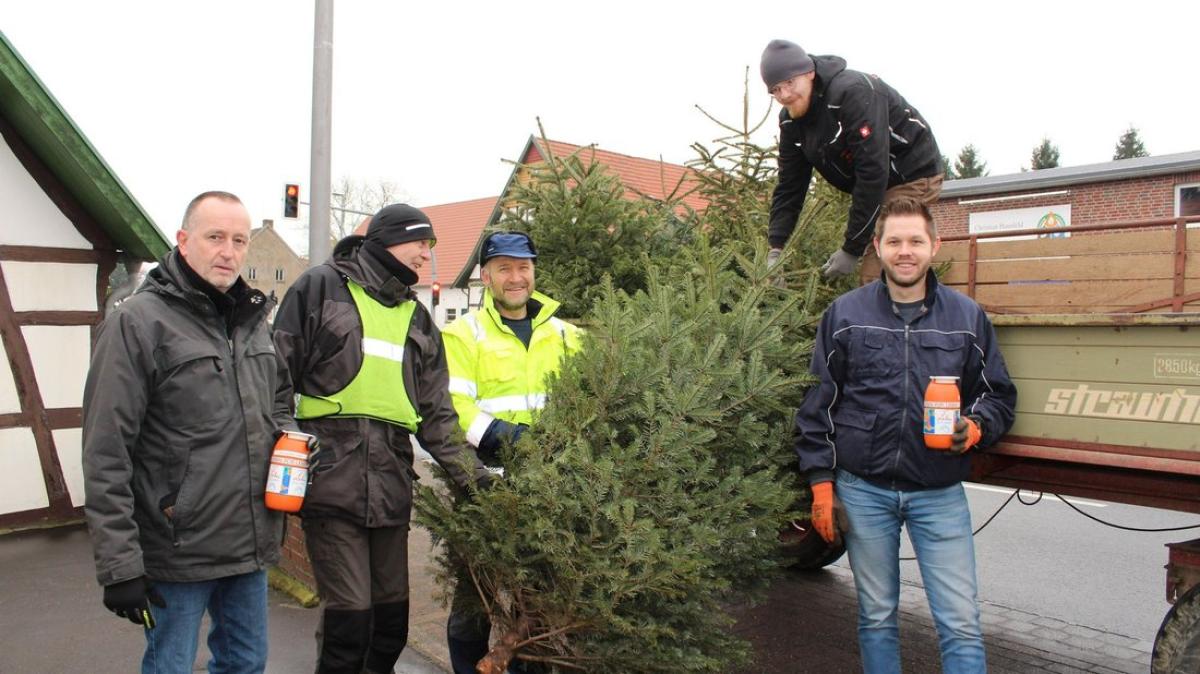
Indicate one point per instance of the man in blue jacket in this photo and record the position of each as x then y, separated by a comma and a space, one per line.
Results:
859, 433
857, 132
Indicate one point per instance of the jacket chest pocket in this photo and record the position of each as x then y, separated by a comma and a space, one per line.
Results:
871, 354
943, 355
499, 366
259, 367
194, 385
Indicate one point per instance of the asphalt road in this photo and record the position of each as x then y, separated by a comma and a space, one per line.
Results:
1050, 560
52, 618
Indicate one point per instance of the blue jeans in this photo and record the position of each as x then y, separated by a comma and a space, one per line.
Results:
939, 526
237, 608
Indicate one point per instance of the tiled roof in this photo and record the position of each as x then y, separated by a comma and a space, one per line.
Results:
458, 226
651, 177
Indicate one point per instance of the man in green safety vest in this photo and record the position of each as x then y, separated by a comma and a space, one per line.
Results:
499, 357
368, 366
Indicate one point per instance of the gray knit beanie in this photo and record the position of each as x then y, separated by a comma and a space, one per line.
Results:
783, 60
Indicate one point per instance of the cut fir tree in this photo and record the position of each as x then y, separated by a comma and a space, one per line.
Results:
651, 486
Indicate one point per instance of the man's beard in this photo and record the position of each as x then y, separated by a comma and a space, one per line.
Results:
887, 271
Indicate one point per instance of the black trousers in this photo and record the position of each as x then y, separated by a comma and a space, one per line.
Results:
362, 577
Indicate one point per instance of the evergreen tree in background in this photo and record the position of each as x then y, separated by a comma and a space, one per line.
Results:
586, 228
1044, 156
969, 164
949, 172
737, 178
1130, 145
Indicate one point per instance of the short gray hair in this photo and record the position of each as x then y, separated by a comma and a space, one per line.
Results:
211, 194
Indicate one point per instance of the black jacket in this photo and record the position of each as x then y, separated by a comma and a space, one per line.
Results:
180, 412
319, 334
865, 414
863, 137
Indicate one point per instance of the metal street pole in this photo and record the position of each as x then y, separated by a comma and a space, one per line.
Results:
322, 115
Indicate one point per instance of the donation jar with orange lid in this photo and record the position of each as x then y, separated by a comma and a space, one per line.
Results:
287, 479
942, 409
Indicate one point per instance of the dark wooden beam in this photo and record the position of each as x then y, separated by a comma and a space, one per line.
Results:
58, 317
32, 407
47, 254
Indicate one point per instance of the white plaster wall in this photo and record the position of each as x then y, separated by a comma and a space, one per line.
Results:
9, 402
60, 356
51, 286
69, 443
29, 218
21, 484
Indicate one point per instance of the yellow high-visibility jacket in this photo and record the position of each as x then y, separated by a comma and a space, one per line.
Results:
493, 375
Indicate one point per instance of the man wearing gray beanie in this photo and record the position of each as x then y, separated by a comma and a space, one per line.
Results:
370, 369
857, 132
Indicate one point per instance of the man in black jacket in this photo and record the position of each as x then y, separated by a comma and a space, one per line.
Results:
182, 403
860, 435
854, 129
370, 370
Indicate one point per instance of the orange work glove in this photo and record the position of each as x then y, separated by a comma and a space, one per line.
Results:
822, 511
967, 434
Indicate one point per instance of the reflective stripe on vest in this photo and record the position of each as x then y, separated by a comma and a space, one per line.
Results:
377, 391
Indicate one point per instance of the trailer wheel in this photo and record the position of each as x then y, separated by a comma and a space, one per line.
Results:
804, 549
1177, 646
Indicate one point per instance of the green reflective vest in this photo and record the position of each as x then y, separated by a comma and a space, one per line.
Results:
377, 391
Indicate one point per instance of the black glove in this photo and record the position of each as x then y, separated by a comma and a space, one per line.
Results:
131, 599
316, 457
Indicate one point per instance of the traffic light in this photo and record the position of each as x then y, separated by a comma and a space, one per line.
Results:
436, 288
291, 201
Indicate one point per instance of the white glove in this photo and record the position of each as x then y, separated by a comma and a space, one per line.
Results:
773, 257
839, 264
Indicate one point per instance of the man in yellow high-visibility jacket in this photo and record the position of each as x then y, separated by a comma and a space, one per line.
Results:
499, 358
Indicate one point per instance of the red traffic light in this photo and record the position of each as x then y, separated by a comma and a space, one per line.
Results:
291, 201
436, 290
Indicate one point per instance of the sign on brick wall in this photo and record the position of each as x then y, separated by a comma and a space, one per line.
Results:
1055, 217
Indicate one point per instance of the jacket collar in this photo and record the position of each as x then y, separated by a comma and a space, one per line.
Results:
170, 279
884, 296
351, 260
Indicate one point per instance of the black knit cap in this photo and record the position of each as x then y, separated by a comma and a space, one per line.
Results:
783, 60
400, 223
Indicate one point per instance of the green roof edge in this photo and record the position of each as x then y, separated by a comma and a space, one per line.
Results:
53, 136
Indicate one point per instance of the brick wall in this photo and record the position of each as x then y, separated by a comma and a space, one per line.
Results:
293, 558
1131, 199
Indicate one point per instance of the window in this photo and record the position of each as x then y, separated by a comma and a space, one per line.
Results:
1187, 201
451, 314
279, 275
251, 274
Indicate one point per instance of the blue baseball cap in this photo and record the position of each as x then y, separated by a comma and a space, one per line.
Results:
507, 244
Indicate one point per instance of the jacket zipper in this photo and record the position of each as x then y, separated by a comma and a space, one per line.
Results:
237, 392
904, 411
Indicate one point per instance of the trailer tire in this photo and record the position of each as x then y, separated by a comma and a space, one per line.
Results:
1177, 645
804, 549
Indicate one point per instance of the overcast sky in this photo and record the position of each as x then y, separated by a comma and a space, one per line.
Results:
183, 97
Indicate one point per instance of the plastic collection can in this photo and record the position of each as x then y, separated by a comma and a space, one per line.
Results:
942, 409
287, 479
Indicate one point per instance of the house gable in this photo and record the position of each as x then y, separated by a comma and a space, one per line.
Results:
641, 177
